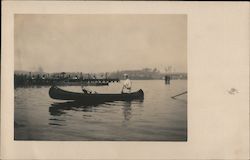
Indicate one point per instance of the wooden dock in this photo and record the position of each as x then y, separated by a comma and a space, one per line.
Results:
24, 81
109, 80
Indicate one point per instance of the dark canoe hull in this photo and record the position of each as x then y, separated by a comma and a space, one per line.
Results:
57, 93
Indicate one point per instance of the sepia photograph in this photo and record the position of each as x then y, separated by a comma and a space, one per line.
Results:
100, 77
124, 80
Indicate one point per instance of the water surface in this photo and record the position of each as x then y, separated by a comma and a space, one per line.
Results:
157, 118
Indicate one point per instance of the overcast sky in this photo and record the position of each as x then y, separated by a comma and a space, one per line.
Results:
100, 43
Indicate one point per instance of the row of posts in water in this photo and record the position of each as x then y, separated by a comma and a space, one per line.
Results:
167, 79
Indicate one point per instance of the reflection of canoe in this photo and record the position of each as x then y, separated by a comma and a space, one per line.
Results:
59, 108
57, 93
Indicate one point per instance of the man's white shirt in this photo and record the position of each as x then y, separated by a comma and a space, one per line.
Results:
127, 84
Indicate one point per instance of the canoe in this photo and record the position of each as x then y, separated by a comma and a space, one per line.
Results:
60, 94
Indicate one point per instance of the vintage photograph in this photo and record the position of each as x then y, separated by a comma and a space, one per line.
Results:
100, 77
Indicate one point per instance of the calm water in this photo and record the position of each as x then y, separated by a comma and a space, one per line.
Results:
157, 117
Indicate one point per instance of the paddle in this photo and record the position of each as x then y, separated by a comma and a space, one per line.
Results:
179, 94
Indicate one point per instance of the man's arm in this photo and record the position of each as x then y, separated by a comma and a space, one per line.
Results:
122, 89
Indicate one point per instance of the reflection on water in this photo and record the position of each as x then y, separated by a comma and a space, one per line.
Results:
59, 108
157, 118
127, 111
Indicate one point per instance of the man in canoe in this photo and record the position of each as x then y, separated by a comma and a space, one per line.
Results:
126, 88
86, 90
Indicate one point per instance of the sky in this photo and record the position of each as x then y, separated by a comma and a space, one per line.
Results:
99, 42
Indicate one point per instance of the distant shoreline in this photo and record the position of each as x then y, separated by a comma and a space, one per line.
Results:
26, 78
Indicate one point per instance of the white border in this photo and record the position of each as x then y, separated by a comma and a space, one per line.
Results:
218, 59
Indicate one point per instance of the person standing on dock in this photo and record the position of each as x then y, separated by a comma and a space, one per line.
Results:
126, 85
